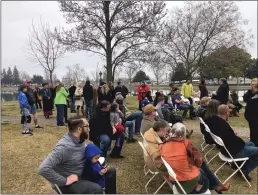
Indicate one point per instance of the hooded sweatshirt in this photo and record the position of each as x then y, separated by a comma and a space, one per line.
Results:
92, 171
23, 100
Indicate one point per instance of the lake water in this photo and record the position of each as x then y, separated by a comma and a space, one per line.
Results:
12, 96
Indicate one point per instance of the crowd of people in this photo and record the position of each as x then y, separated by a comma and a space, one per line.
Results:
75, 168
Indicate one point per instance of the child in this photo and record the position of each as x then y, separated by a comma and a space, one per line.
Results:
25, 113
116, 122
93, 170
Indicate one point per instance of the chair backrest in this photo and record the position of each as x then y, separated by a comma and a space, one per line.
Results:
141, 135
172, 174
205, 125
217, 139
143, 148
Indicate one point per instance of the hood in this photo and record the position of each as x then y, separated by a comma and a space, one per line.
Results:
91, 150
152, 137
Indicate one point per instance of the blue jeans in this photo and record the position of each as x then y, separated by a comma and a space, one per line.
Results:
88, 110
72, 103
251, 151
105, 143
60, 114
130, 126
186, 107
137, 116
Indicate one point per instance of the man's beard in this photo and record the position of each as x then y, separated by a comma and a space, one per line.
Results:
84, 136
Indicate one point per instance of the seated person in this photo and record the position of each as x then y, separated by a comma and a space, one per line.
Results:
64, 166
145, 102
203, 107
148, 96
234, 144
235, 101
149, 115
177, 100
161, 102
93, 170
157, 95
232, 107
191, 171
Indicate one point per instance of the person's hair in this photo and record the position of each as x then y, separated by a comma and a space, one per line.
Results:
171, 84
44, 84
74, 123
23, 87
212, 109
111, 86
114, 106
160, 124
178, 130
102, 83
59, 87
103, 104
204, 100
224, 80
203, 81
222, 109
87, 83
105, 89
175, 89
161, 98
255, 88
119, 82
148, 93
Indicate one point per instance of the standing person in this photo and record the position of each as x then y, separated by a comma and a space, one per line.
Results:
72, 97
223, 91
79, 99
251, 113
60, 102
95, 99
123, 89
47, 100
187, 91
65, 165
66, 106
25, 111
38, 98
88, 98
112, 90
142, 89
31, 100
250, 93
203, 89
104, 93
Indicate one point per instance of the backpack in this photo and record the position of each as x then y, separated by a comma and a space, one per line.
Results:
170, 117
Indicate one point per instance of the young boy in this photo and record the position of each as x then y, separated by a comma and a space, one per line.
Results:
93, 170
25, 113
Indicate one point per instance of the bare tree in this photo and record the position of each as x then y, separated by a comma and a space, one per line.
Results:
112, 29
44, 47
198, 29
24, 76
77, 73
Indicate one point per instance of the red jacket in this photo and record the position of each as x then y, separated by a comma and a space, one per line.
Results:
142, 91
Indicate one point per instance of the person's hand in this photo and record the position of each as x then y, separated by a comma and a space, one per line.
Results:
104, 171
114, 130
71, 179
235, 132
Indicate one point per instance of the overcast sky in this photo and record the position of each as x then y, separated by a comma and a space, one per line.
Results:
16, 17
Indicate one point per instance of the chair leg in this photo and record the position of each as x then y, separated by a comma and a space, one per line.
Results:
144, 170
149, 182
212, 158
215, 173
160, 187
205, 156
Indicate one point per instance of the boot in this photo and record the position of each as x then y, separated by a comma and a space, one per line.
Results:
222, 187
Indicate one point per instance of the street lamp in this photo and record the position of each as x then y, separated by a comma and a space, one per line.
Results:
100, 74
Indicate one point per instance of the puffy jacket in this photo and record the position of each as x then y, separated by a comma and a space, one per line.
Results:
152, 146
142, 91
88, 92
22, 99
61, 96
187, 90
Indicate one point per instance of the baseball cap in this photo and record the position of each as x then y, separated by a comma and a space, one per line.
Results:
148, 109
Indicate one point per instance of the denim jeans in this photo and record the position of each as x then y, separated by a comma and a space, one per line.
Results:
251, 151
137, 116
88, 109
130, 126
60, 114
207, 179
72, 103
105, 144
186, 107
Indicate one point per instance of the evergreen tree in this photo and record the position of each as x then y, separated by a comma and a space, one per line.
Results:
140, 76
9, 76
3, 77
16, 76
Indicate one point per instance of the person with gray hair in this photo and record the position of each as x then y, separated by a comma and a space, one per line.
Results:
192, 172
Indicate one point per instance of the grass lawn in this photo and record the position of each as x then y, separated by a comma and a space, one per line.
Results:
22, 156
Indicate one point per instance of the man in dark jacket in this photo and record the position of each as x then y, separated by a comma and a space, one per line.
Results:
123, 89
223, 91
72, 98
101, 131
250, 93
88, 98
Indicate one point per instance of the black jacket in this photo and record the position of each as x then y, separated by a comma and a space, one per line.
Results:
88, 92
30, 96
221, 128
123, 89
108, 96
248, 95
100, 124
203, 90
71, 91
223, 93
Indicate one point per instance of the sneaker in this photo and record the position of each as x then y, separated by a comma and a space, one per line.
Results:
38, 127
131, 140
27, 133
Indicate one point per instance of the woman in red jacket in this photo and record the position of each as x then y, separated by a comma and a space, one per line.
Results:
142, 89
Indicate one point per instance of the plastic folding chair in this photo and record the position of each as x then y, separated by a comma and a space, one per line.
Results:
173, 175
153, 173
207, 145
57, 189
229, 159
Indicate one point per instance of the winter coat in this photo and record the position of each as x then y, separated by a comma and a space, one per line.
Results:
30, 96
61, 96
142, 91
123, 89
203, 90
223, 93
88, 92
248, 95
187, 90
79, 93
23, 102
71, 91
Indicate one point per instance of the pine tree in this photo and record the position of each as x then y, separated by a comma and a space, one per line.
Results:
16, 76
9, 76
3, 77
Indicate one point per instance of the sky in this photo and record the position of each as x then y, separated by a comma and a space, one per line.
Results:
17, 16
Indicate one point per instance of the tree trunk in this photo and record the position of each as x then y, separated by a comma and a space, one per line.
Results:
51, 78
108, 43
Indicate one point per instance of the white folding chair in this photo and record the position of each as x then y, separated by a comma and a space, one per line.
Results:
153, 173
207, 129
229, 159
57, 189
173, 175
